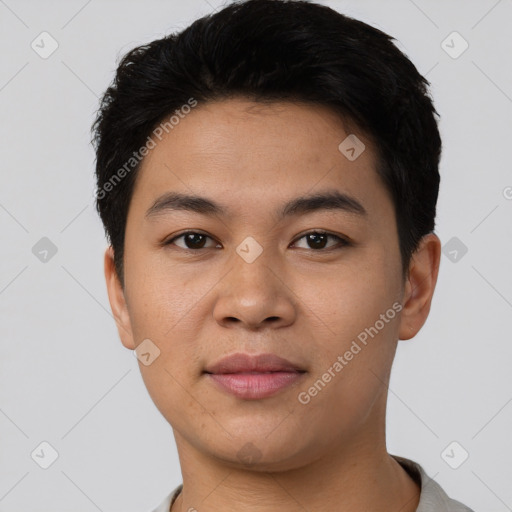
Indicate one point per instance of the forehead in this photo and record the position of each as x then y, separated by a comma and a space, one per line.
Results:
248, 154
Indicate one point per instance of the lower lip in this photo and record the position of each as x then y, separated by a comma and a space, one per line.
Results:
253, 386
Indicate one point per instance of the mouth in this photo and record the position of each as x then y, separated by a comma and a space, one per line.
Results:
252, 377
246, 363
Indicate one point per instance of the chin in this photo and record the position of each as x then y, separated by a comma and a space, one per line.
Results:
260, 452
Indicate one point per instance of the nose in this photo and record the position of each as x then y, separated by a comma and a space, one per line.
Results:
254, 296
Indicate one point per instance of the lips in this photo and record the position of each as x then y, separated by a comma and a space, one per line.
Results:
250, 377
246, 363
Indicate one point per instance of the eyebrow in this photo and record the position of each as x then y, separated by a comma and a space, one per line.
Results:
329, 200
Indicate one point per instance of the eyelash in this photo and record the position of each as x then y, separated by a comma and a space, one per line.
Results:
342, 241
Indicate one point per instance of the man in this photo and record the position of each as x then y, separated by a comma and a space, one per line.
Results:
268, 181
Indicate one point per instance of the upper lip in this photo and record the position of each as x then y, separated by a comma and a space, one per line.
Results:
240, 362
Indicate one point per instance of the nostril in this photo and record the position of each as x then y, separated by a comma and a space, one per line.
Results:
232, 319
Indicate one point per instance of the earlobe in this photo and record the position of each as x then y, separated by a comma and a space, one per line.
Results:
117, 300
420, 285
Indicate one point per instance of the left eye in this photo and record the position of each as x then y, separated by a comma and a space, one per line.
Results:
318, 240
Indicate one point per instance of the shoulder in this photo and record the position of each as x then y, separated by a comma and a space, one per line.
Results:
165, 506
432, 498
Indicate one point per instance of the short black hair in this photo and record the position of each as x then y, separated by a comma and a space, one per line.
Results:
275, 50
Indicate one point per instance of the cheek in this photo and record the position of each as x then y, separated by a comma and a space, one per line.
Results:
346, 299
350, 375
357, 315
162, 299
172, 308
161, 311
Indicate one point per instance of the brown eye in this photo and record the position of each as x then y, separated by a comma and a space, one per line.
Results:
191, 240
319, 239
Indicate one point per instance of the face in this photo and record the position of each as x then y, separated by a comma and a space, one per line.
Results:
290, 248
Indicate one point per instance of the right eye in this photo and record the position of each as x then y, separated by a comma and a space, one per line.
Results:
192, 240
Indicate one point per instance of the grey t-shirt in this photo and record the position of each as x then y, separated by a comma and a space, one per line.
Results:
432, 497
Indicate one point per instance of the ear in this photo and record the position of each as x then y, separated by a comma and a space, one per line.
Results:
419, 286
117, 301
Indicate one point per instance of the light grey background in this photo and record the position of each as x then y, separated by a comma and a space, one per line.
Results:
66, 379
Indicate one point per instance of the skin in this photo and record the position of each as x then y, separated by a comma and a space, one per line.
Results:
303, 303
